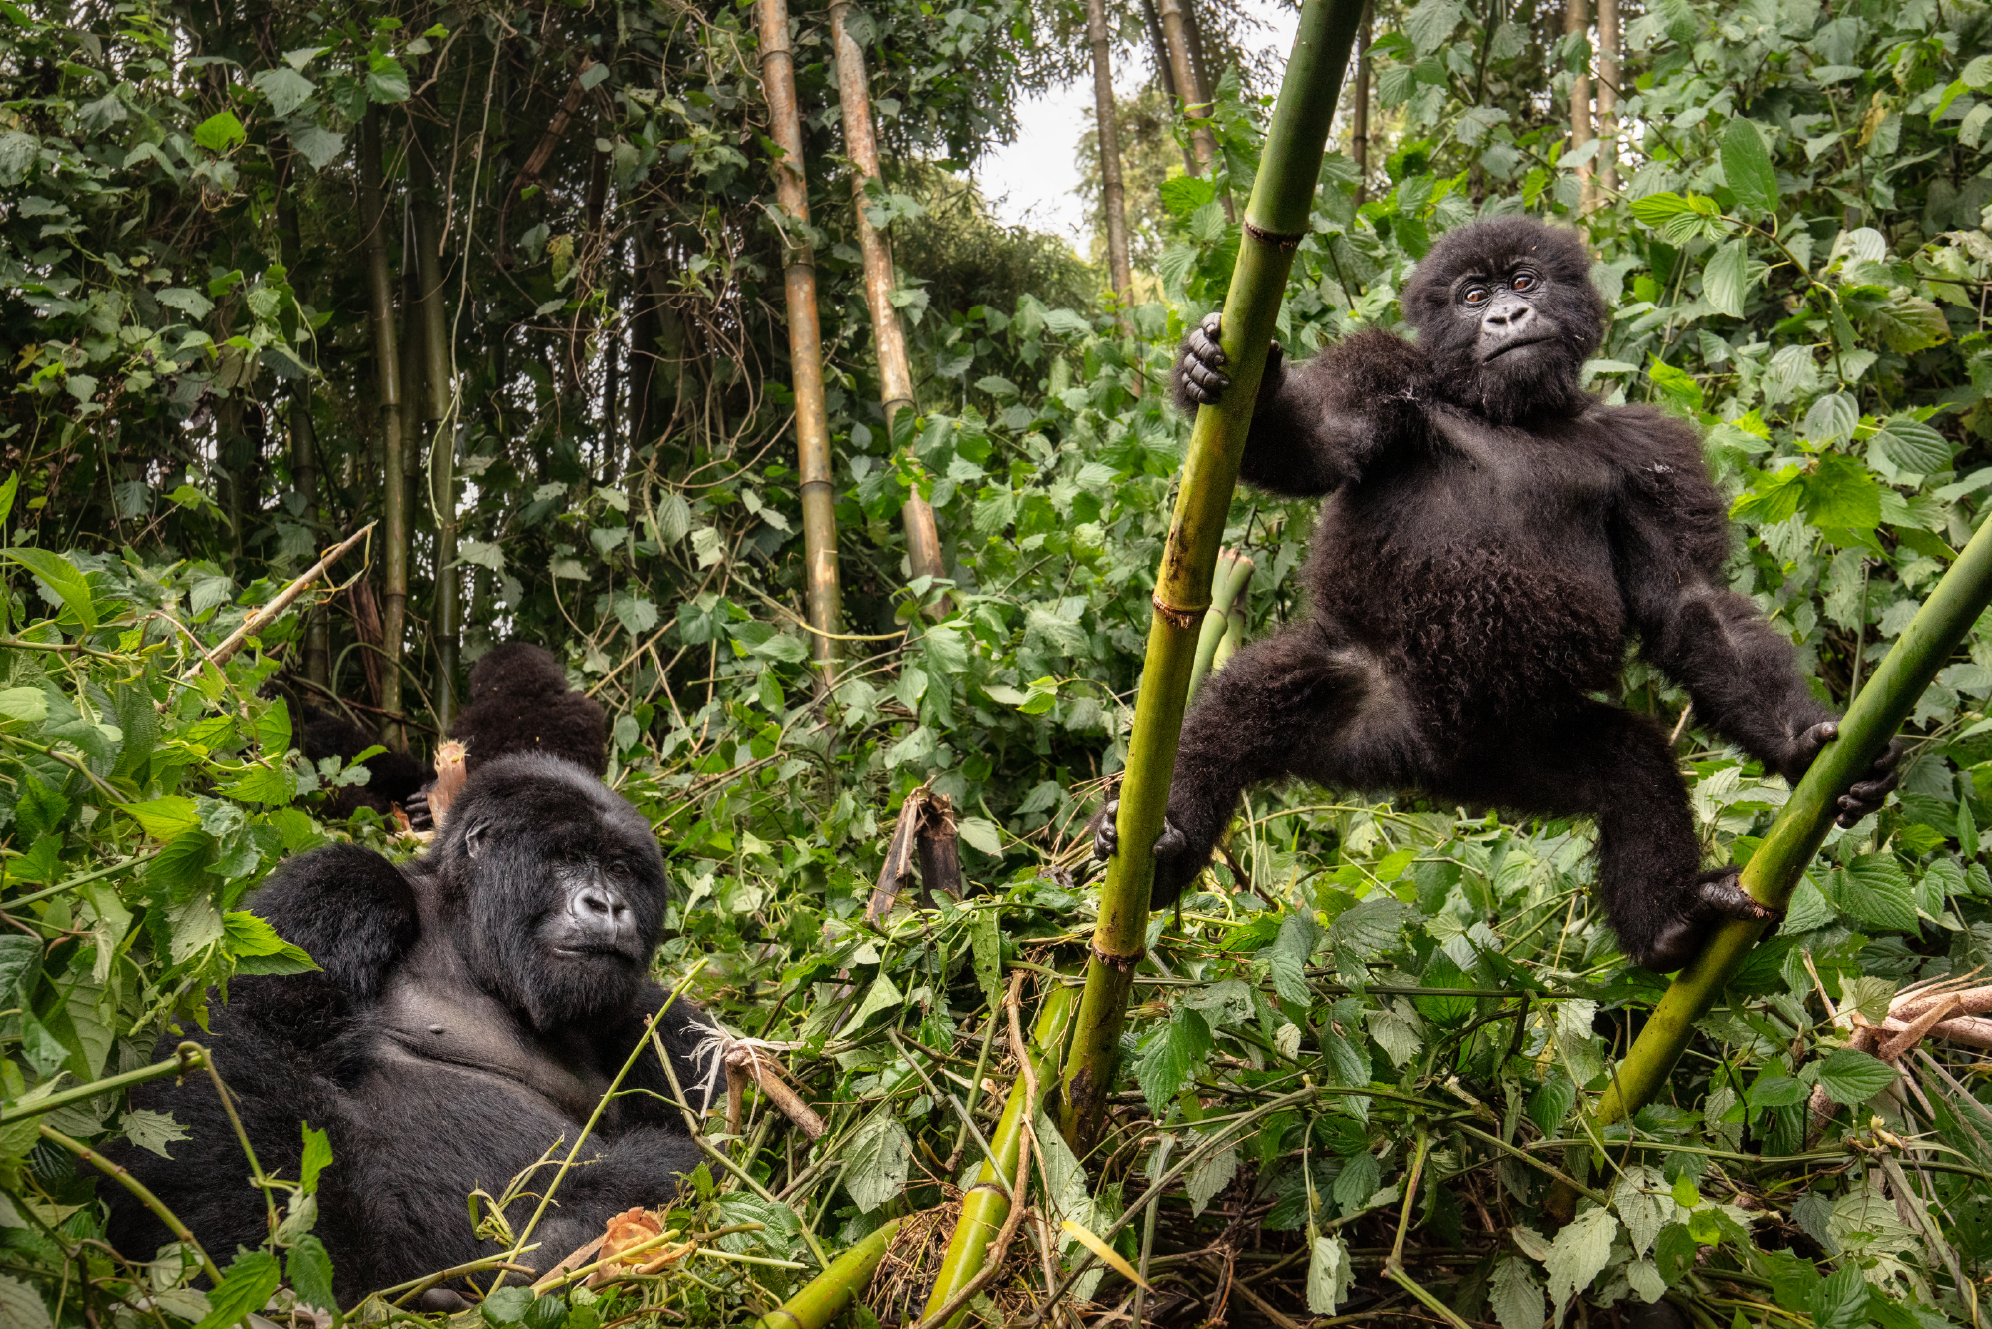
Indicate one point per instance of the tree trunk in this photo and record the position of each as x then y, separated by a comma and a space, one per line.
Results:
1275, 221
1165, 72
1576, 23
812, 431
1608, 81
1113, 192
438, 420
387, 391
895, 374
1359, 118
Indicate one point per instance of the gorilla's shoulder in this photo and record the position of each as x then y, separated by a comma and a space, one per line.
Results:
350, 909
1371, 372
1644, 437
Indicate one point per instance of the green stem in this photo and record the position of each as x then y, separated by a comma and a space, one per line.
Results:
830, 1291
186, 1058
986, 1203
140, 1193
1775, 868
1234, 573
1275, 221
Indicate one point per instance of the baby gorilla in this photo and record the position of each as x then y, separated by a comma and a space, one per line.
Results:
473, 1008
1492, 539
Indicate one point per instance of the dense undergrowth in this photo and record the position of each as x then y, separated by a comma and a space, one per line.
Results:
1373, 1035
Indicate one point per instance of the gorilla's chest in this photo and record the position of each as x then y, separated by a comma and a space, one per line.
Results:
428, 1024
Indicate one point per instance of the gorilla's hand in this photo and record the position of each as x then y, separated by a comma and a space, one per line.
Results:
1866, 794
1175, 867
1200, 376
1716, 896
417, 808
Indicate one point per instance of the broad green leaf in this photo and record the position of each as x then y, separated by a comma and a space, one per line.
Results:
1746, 165
1914, 446
1679, 387
1359, 1179
151, 1131
1907, 323
1841, 493
875, 1162
286, 88
62, 577
1840, 1300
317, 1157
980, 833
1725, 281
1776, 1091
1850, 1076
1579, 1253
1874, 892
220, 132
28, 705
1430, 23
1515, 1295
21, 1307
164, 818
309, 1265
1168, 1056
387, 81
248, 1282
1331, 1273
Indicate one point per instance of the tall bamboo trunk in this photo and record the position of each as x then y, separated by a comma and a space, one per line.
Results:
1275, 222
387, 389
1608, 84
1359, 117
304, 442
1196, 98
438, 421
1113, 192
1165, 72
1577, 22
1774, 870
895, 374
812, 430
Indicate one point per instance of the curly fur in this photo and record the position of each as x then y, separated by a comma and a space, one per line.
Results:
445, 1045
1492, 542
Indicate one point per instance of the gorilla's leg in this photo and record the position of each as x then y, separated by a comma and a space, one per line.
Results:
1617, 767
1299, 704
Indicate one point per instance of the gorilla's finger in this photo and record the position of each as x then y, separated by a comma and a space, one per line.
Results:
1106, 834
1213, 323
1816, 738
1171, 842
1889, 756
1211, 380
1205, 348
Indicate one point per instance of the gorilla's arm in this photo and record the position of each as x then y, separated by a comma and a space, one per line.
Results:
350, 909
1672, 540
1317, 425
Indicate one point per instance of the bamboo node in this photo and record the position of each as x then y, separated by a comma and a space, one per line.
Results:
1177, 616
1279, 240
1124, 963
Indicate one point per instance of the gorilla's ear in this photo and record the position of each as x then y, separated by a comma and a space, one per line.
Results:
350, 909
473, 837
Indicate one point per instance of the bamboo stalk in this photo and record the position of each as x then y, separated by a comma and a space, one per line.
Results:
1359, 117
895, 373
1576, 22
387, 389
1234, 574
830, 1291
812, 430
1608, 79
1774, 870
436, 413
303, 436
1113, 191
1196, 98
1275, 221
986, 1205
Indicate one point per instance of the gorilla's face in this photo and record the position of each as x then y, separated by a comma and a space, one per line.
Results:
1506, 313
554, 891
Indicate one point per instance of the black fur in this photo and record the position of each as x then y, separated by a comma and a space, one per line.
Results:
394, 777
1492, 540
519, 702
447, 1043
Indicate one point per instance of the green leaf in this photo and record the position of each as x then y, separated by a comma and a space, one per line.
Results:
1550, 1104
191, 303
1774, 498
1725, 281
1874, 892
317, 1157
310, 1269
220, 132
1914, 446
387, 81
285, 87
1579, 1253
1746, 165
21, 1307
875, 1162
1359, 1179
1908, 323
1288, 957
986, 953
62, 577
1169, 1055
1431, 23
506, 1306
273, 729
7, 492
248, 1283
164, 818
1184, 194
980, 833
1776, 1091
27, 705
1516, 1296
1330, 1274
258, 949
1840, 1301
1841, 494
1680, 388
1850, 1076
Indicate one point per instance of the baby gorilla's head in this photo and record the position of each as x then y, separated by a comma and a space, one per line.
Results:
1506, 315
551, 887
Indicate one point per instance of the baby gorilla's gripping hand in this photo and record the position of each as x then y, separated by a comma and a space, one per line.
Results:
1715, 897
1175, 865
1866, 794
1200, 376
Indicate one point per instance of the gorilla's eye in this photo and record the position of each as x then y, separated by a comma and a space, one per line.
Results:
1524, 281
1474, 295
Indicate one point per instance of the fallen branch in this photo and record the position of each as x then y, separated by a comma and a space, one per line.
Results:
267, 614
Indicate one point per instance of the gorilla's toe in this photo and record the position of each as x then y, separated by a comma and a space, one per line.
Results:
1719, 893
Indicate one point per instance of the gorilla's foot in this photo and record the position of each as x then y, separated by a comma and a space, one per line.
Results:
1718, 893
1715, 896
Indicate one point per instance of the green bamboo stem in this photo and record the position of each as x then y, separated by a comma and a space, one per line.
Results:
1775, 868
387, 400
1275, 220
986, 1203
830, 1291
1234, 573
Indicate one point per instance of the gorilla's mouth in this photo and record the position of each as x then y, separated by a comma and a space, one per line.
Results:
590, 953
1515, 345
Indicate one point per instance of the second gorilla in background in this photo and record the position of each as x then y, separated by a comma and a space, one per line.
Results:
474, 1007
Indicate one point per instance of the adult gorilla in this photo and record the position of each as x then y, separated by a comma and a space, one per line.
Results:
473, 1008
